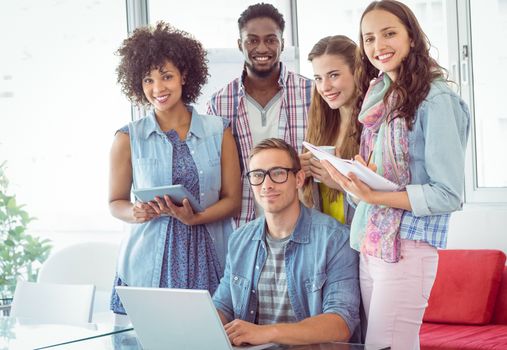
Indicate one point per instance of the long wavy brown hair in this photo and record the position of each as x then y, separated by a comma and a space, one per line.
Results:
323, 121
416, 72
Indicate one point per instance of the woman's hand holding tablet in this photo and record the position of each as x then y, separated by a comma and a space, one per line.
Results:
176, 194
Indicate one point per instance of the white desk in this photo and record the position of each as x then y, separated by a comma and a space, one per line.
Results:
19, 334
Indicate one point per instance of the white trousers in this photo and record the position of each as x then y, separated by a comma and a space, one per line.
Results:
395, 295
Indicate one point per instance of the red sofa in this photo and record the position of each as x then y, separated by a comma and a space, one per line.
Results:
467, 308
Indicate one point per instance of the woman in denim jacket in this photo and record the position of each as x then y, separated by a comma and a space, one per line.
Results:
416, 129
171, 246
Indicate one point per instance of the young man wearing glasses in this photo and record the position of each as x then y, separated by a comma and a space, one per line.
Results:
290, 276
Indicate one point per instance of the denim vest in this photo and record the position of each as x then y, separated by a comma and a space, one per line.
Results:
141, 254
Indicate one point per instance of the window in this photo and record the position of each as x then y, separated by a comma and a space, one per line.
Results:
482, 83
61, 105
488, 56
60, 108
333, 17
215, 25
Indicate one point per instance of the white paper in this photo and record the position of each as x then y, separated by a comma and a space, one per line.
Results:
345, 166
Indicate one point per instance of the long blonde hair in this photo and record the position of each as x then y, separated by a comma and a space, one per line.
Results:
324, 122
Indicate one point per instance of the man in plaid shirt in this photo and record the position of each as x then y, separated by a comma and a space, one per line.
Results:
267, 100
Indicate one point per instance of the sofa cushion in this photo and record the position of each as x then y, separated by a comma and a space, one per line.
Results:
466, 286
500, 314
434, 336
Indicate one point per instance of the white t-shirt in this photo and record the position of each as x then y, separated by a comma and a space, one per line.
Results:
263, 122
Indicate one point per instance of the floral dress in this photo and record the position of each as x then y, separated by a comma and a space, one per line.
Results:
190, 260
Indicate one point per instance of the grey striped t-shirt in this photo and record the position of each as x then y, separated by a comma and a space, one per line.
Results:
274, 305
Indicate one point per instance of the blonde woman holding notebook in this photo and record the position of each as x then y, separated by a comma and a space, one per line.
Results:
331, 122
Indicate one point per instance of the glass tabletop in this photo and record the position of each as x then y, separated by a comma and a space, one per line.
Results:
17, 334
128, 341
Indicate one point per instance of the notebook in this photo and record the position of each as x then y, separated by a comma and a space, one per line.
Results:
183, 319
345, 166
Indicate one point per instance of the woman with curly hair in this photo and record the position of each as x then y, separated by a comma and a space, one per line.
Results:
417, 130
331, 122
171, 246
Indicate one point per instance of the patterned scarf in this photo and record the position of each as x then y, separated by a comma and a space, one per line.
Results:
375, 228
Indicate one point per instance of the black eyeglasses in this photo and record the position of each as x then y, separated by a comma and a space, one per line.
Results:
278, 175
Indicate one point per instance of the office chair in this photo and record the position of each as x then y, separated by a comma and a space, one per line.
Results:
89, 263
53, 303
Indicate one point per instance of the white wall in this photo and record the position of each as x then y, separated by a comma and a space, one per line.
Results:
479, 227
61, 239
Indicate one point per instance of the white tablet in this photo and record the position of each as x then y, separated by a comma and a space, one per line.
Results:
176, 192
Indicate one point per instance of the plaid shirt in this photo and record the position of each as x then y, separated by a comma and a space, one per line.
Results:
431, 229
229, 102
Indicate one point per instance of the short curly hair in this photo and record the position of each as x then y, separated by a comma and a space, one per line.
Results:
258, 11
149, 48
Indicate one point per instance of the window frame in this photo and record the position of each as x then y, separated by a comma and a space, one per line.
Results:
461, 58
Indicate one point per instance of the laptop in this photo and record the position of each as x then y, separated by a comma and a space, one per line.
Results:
182, 319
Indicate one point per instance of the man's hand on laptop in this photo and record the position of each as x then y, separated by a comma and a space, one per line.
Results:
243, 333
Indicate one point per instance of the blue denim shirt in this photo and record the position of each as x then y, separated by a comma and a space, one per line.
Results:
322, 270
141, 254
437, 145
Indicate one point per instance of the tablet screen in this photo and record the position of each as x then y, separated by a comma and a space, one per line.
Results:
176, 192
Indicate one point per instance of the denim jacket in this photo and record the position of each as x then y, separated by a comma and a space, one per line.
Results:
437, 145
322, 270
141, 254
